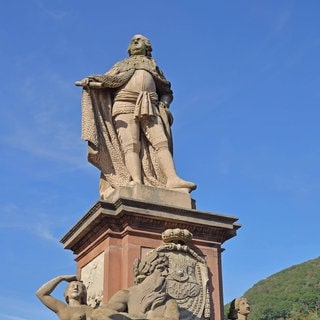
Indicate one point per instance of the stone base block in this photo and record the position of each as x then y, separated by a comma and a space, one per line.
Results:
114, 232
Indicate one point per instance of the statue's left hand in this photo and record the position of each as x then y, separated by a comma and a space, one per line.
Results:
168, 112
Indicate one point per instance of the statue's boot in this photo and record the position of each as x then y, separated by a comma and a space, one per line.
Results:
167, 166
133, 164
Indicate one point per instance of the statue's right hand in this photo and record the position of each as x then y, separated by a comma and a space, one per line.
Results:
70, 278
82, 83
88, 82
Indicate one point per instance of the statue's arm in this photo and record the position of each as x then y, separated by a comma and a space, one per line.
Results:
165, 92
91, 81
99, 80
166, 99
171, 310
119, 301
44, 293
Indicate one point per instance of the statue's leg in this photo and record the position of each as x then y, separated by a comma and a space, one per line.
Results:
128, 130
167, 166
155, 134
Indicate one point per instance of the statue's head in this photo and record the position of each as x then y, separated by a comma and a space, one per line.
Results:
140, 45
153, 263
76, 290
238, 306
150, 279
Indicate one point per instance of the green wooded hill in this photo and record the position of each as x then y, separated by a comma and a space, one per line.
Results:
293, 293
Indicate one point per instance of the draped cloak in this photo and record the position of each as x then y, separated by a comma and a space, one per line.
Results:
104, 149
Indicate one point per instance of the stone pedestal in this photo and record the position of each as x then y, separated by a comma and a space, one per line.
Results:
114, 232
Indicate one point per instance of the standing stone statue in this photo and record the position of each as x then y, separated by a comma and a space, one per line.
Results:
75, 295
126, 121
239, 309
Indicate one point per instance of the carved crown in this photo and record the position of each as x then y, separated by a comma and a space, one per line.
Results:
176, 236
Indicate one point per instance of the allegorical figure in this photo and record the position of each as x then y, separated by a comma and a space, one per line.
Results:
127, 123
75, 295
147, 299
239, 309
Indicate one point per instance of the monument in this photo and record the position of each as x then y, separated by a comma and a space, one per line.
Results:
145, 219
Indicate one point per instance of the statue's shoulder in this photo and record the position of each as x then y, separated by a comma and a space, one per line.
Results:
120, 66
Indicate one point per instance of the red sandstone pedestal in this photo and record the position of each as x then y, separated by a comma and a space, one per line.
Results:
114, 232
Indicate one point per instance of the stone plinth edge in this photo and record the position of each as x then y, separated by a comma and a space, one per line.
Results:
121, 215
154, 195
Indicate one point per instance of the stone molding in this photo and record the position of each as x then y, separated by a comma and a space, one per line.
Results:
128, 215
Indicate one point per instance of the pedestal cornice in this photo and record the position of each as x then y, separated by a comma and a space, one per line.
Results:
130, 215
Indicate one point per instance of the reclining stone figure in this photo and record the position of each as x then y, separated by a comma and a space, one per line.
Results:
147, 299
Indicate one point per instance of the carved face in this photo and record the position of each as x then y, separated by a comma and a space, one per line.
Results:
244, 307
77, 291
138, 46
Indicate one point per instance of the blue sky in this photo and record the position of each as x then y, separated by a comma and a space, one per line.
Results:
246, 78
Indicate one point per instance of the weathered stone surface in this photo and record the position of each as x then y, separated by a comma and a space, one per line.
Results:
92, 276
154, 195
187, 280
